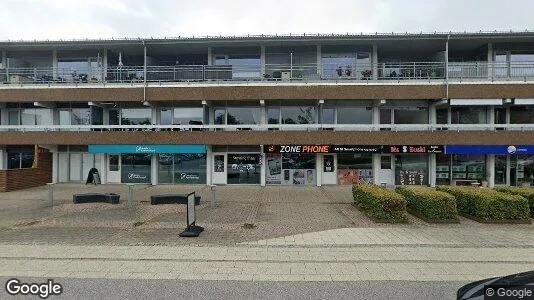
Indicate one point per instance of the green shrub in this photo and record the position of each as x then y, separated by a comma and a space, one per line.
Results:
380, 203
526, 192
487, 204
429, 204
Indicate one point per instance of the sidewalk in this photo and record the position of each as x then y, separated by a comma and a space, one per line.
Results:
263, 263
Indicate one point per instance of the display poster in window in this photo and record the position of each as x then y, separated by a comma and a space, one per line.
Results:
328, 163
411, 177
219, 163
299, 176
274, 169
348, 176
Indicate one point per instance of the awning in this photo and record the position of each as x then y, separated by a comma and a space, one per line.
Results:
147, 149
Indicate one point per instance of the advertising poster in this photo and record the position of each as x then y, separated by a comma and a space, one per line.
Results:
274, 169
348, 176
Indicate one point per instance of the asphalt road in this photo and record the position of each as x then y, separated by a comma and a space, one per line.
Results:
180, 289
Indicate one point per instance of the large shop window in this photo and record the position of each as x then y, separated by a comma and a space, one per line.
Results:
500, 169
291, 169
136, 168
411, 169
452, 169
354, 168
182, 168
243, 168
522, 170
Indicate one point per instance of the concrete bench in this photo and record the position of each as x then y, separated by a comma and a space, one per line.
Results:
171, 199
95, 197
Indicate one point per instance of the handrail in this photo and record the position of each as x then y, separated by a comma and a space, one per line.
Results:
265, 127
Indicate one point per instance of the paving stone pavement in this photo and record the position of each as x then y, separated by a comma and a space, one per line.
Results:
300, 234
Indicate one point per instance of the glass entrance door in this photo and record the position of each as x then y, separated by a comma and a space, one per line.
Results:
243, 168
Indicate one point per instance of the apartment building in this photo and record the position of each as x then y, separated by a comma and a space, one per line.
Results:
391, 109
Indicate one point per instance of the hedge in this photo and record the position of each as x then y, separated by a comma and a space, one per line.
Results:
526, 192
379, 203
429, 204
488, 205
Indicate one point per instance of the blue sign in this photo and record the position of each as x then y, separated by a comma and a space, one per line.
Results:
147, 149
489, 149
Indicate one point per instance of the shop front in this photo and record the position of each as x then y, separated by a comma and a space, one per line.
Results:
153, 164
236, 165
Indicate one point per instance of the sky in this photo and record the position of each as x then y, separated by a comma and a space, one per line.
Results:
72, 19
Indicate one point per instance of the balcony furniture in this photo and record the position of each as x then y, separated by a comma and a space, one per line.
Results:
172, 199
95, 197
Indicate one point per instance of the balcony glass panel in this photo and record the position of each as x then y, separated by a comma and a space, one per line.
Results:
188, 116
410, 115
468, 115
298, 115
355, 115
136, 116
521, 115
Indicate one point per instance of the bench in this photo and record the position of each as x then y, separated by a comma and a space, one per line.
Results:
171, 199
95, 197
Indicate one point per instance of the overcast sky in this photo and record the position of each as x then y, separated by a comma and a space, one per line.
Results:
67, 19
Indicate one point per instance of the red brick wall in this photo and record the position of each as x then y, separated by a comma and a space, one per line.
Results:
39, 174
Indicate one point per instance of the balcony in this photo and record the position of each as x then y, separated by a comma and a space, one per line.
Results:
269, 127
381, 72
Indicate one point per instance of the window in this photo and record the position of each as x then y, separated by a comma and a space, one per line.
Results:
411, 115
273, 115
411, 169
30, 116
500, 115
219, 117
19, 159
188, 116
385, 162
468, 167
166, 116
385, 116
81, 116
443, 169
354, 168
442, 116
182, 168
243, 115
468, 115
521, 115
500, 169
298, 114
328, 116
136, 168
355, 115
525, 170
136, 116
113, 162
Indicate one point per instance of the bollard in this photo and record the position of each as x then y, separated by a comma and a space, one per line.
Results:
130, 193
213, 186
50, 194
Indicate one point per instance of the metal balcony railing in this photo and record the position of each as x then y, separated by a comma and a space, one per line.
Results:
312, 72
267, 127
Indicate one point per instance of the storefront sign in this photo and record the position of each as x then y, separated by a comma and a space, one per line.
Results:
489, 149
147, 149
243, 158
410, 149
413, 149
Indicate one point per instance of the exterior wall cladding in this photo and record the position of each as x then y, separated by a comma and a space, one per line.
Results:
237, 95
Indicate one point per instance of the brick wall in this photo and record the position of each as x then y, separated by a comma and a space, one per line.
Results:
39, 174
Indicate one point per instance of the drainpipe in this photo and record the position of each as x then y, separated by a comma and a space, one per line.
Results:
447, 65
144, 72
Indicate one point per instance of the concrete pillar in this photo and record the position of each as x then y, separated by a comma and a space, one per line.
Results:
154, 170
263, 168
3, 158
262, 59
432, 117
3, 114
490, 60
104, 64
54, 64
210, 56
432, 169
103, 168
374, 61
209, 164
55, 165
319, 60
376, 169
490, 170
263, 114
376, 114
4, 59
105, 112
508, 169
319, 169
